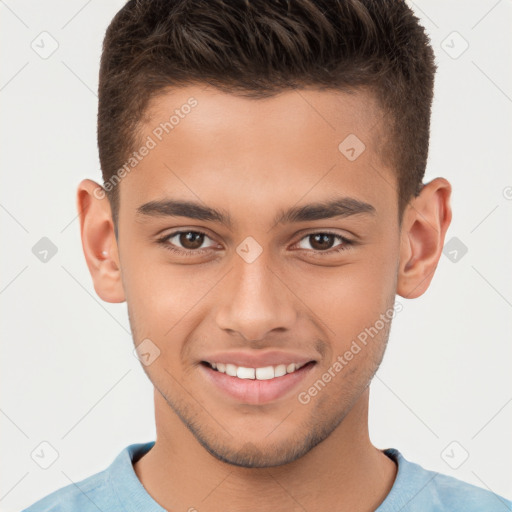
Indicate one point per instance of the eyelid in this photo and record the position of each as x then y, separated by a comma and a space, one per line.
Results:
330, 231
163, 233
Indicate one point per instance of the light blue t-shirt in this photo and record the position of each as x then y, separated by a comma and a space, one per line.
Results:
415, 489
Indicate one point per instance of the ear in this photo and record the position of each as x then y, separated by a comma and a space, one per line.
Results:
425, 222
99, 242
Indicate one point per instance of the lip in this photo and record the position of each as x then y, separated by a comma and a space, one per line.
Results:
258, 360
253, 391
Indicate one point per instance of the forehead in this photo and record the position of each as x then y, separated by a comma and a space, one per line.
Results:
205, 142
303, 113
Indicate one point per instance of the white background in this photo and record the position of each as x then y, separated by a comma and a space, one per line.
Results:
68, 373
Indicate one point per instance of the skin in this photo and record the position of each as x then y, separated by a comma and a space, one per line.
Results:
252, 159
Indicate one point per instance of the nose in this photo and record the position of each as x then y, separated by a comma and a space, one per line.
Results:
256, 301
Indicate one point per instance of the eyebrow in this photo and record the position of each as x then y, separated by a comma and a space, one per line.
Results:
338, 207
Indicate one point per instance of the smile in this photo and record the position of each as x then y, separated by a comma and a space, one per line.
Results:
255, 386
264, 373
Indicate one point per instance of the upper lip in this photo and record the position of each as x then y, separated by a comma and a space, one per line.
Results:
257, 360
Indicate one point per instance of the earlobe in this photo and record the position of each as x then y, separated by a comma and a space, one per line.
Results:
99, 242
426, 220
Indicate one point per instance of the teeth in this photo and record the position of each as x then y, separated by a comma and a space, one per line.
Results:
245, 373
265, 373
280, 370
230, 370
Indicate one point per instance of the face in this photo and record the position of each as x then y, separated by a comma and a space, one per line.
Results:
249, 237
256, 236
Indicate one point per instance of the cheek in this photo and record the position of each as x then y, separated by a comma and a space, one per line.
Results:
351, 298
155, 287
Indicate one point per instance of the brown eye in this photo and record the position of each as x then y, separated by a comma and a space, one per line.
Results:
191, 239
324, 241
186, 242
321, 241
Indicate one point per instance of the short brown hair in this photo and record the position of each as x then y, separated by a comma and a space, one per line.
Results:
258, 48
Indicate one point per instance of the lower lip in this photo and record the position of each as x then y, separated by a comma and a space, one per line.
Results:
253, 391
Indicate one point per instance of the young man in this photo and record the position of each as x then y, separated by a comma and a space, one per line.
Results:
262, 206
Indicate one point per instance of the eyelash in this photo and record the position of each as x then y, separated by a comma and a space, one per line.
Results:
345, 245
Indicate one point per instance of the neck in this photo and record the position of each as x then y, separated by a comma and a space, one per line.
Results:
345, 472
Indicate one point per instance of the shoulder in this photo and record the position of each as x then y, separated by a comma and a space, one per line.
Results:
85, 495
104, 490
456, 494
417, 489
